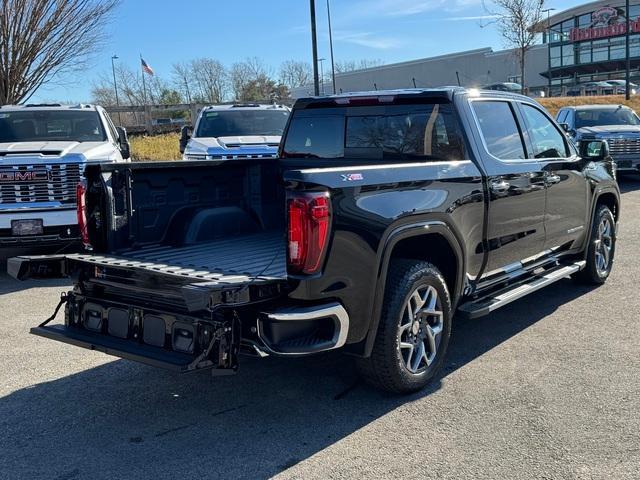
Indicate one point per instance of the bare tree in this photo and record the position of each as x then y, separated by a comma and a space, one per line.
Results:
43, 39
518, 22
210, 79
130, 87
243, 73
351, 65
295, 74
203, 80
181, 77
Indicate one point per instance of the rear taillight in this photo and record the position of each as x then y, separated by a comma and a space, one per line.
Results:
309, 222
81, 206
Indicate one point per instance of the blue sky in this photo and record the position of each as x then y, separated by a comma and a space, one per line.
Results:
166, 31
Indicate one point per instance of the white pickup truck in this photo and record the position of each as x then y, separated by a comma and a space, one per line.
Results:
43, 152
229, 132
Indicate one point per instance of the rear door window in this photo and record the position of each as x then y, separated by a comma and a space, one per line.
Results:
395, 132
499, 129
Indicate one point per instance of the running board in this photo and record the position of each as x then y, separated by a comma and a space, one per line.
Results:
484, 306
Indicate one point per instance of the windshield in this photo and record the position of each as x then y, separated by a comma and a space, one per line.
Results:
54, 125
236, 123
594, 118
420, 132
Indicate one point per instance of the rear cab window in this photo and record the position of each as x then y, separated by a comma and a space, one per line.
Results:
419, 133
499, 129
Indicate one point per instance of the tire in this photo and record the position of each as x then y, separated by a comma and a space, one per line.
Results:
398, 363
601, 248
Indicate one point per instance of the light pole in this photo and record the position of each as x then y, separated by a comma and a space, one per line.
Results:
322, 74
333, 66
115, 85
548, 10
314, 47
627, 93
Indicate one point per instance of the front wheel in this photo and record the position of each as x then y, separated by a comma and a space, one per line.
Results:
414, 329
601, 248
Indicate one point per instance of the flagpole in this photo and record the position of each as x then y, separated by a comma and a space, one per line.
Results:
144, 85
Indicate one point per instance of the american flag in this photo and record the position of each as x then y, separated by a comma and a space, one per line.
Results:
145, 67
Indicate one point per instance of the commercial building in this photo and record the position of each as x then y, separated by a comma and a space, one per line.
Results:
581, 44
587, 43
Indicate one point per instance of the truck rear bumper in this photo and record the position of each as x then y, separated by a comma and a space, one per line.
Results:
304, 330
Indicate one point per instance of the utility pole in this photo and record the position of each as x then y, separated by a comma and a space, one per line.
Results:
333, 66
548, 11
115, 85
314, 47
322, 74
627, 93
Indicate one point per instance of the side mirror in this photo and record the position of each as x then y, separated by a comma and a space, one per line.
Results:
185, 135
594, 149
565, 127
123, 142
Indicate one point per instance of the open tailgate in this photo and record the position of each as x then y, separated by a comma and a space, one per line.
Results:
157, 274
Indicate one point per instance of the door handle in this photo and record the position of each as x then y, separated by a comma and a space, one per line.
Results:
500, 186
552, 179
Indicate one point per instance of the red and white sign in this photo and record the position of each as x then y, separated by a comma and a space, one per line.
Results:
605, 23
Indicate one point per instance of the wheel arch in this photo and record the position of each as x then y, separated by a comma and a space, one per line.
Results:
431, 241
611, 200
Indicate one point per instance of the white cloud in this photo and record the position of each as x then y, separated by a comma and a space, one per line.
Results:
367, 39
472, 17
398, 8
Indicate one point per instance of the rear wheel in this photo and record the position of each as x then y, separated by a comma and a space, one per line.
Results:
414, 329
601, 248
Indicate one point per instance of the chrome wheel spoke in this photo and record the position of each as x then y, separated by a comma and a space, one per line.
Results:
605, 255
417, 358
418, 300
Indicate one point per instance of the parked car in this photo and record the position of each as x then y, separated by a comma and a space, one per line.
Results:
592, 88
617, 124
621, 86
43, 152
224, 132
504, 87
386, 213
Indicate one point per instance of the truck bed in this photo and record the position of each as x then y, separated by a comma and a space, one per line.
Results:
252, 255
230, 260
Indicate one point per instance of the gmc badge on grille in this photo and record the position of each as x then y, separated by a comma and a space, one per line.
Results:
24, 176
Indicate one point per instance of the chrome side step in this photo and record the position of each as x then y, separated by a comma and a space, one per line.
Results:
484, 306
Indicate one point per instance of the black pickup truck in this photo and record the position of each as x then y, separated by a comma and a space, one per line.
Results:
385, 214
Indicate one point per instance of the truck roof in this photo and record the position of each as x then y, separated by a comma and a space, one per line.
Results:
445, 92
598, 107
245, 106
46, 106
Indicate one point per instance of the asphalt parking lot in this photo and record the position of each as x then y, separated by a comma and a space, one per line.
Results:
548, 387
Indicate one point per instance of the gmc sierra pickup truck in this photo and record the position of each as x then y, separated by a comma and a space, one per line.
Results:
385, 214
43, 151
241, 130
617, 124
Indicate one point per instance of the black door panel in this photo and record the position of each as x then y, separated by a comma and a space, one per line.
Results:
567, 198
